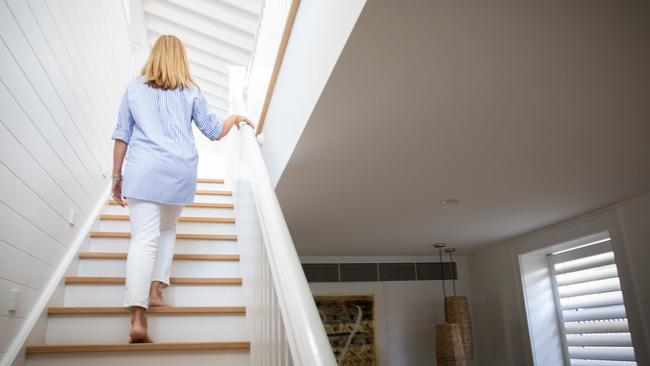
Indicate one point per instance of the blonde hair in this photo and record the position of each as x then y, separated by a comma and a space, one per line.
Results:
167, 66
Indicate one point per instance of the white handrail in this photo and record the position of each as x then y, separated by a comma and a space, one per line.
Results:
304, 329
282, 307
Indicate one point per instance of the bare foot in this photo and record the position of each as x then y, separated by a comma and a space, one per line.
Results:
156, 302
138, 332
155, 294
139, 336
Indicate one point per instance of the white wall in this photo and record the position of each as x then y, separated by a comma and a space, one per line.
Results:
269, 34
319, 34
500, 323
406, 312
634, 223
64, 66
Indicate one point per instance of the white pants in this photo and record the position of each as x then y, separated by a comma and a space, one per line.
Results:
153, 237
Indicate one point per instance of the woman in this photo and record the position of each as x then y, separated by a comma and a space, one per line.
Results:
155, 124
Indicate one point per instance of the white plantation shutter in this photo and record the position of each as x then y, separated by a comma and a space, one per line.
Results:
590, 306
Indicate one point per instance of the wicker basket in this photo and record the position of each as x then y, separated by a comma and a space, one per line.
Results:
449, 345
457, 312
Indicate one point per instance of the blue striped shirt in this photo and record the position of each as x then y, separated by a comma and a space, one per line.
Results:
162, 158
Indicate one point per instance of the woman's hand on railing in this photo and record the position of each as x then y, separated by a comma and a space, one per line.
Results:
243, 119
234, 120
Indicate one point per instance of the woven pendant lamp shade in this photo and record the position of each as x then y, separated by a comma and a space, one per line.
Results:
449, 345
457, 312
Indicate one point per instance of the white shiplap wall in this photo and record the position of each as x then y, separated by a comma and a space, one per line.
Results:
63, 67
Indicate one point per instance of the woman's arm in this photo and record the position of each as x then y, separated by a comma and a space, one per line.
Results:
119, 151
209, 124
233, 120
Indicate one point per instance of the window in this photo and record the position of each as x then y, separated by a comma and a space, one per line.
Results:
591, 312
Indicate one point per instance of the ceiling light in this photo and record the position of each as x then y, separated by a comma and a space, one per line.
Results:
450, 201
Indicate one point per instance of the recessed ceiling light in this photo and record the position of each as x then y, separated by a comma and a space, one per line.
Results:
450, 201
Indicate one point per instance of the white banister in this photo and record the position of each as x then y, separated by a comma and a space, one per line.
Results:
282, 318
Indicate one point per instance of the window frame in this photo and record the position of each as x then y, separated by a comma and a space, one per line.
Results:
558, 311
569, 232
600, 246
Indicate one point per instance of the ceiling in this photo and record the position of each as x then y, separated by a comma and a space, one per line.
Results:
216, 33
529, 113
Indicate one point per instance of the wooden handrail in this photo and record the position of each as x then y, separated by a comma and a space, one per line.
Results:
279, 57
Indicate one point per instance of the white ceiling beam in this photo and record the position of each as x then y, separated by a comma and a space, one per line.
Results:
249, 6
216, 11
200, 41
210, 74
205, 59
215, 30
215, 99
212, 89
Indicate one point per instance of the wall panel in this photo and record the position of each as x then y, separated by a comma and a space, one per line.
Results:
64, 65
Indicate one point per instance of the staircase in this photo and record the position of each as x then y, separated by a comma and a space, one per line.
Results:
205, 324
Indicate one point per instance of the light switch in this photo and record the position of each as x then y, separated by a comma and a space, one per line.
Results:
13, 296
71, 217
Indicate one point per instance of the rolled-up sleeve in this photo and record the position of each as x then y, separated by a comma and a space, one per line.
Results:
206, 121
125, 121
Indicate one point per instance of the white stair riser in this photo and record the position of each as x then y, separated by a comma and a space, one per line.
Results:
182, 246
176, 295
93, 329
212, 187
208, 198
180, 268
181, 227
167, 358
187, 211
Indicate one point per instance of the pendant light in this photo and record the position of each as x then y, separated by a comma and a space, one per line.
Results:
450, 350
449, 345
457, 312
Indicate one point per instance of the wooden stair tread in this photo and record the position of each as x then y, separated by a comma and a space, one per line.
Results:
218, 220
123, 234
179, 256
126, 347
210, 180
96, 310
194, 205
213, 192
101, 280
